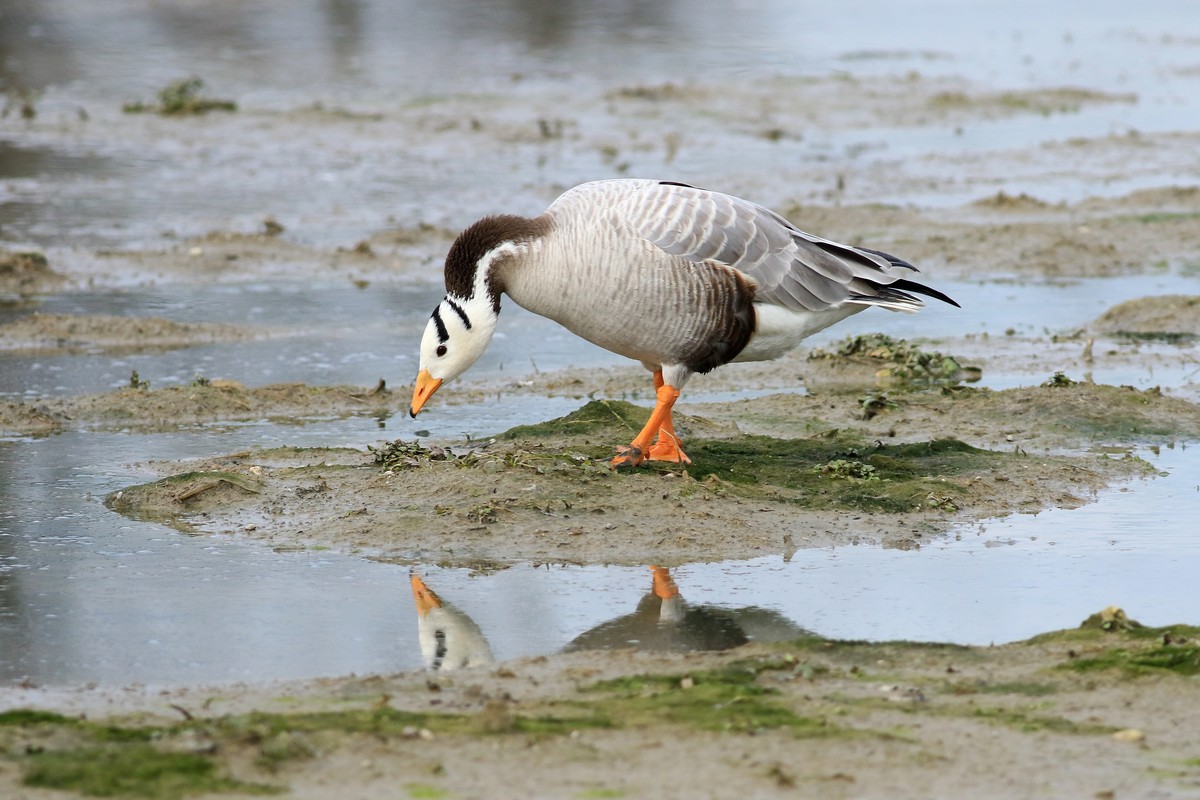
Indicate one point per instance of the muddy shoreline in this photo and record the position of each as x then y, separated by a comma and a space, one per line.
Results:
365, 188
866, 716
1092, 711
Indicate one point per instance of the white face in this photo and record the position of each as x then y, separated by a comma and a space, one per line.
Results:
457, 335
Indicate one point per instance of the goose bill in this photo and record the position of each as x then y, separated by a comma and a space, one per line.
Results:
425, 598
426, 386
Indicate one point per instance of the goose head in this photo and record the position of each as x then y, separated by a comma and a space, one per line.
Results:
457, 334
462, 325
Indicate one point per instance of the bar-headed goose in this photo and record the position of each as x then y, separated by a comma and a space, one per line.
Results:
679, 278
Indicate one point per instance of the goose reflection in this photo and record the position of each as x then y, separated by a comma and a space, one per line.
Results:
663, 621
449, 639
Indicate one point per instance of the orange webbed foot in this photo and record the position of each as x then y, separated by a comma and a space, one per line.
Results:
658, 425
628, 456
667, 449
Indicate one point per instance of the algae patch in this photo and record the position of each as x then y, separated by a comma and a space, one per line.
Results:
898, 363
1110, 640
138, 770
189, 757
837, 470
613, 418
727, 699
106, 760
844, 472
181, 98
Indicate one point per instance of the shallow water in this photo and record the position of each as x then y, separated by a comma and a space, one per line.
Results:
87, 595
551, 60
333, 333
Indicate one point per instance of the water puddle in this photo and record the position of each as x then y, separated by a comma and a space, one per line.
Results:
545, 64
317, 334
89, 596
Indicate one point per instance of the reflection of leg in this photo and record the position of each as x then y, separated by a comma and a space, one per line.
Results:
664, 584
672, 611
636, 452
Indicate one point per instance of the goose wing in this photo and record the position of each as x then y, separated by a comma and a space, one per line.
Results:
791, 268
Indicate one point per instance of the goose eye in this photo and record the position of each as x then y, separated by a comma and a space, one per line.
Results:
441, 350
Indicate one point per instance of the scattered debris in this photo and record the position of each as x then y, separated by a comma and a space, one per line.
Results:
899, 363
181, 98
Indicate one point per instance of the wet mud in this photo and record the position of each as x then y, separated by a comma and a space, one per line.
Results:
860, 458
868, 717
546, 492
864, 456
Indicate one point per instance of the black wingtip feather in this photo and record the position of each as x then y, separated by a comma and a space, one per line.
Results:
920, 288
893, 260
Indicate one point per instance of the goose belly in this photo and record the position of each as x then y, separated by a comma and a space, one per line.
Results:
628, 325
779, 330
634, 303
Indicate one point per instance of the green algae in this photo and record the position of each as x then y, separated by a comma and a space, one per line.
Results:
865, 659
1029, 721
384, 722
111, 759
1095, 631
1178, 659
835, 470
728, 699
1154, 217
1088, 412
132, 771
33, 719
181, 98
117, 760
841, 471
32, 716
1059, 380
1111, 641
1166, 337
596, 417
1024, 688
899, 363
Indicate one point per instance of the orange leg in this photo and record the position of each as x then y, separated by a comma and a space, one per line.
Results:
666, 447
659, 427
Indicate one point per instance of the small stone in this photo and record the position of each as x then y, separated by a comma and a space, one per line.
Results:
1132, 735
